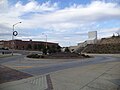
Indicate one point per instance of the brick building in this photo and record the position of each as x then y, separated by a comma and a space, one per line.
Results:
27, 45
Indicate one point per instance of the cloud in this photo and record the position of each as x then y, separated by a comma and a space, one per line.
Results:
3, 5
69, 17
34, 6
12, 14
47, 16
72, 17
19, 9
106, 32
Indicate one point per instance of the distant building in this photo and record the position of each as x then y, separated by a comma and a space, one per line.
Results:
92, 37
1, 44
26, 45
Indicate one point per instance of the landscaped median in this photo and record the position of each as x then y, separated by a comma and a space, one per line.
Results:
62, 55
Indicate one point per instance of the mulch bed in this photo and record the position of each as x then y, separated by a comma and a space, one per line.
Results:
8, 74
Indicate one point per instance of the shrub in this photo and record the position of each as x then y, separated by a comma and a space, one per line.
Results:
87, 56
42, 56
33, 56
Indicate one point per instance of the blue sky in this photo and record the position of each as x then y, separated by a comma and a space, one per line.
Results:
66, 22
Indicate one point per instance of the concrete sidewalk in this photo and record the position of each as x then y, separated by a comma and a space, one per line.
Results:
111, 55
32, 83
105, 76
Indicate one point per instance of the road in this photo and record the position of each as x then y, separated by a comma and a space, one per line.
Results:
66, 65
58, 66
98, 73
10, 58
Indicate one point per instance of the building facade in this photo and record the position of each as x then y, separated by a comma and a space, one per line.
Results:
27, 45
1, 44
92, 37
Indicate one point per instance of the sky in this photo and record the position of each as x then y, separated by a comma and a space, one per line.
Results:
66, 22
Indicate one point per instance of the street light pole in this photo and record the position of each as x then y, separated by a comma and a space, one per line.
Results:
45, 41
13, 36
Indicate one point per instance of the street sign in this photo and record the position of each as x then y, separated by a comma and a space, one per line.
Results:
15, 33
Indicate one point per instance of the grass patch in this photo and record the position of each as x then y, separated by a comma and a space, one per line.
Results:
4, 56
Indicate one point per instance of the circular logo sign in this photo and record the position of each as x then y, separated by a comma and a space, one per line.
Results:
15, 33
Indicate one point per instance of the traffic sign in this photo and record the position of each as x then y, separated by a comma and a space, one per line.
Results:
15, 33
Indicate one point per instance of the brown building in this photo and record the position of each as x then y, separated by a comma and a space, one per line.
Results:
27, 45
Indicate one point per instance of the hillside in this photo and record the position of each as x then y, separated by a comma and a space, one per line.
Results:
111, 40
105, 45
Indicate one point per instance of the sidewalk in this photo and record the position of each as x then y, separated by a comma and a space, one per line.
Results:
112, 55
105, 76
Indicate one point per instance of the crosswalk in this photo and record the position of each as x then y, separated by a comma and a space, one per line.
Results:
33, 83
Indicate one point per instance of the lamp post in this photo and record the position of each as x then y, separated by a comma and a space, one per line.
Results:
45, 41
14, 33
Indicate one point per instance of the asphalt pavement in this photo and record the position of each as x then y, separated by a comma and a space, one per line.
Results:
99, 73
11, 58
66, 65
39, 67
